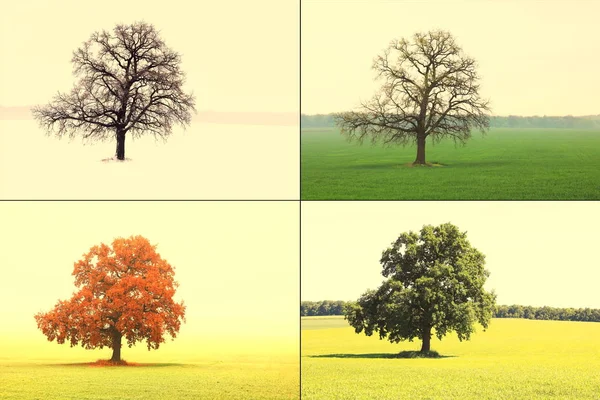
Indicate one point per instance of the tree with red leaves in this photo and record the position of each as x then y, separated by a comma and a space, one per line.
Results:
125, 291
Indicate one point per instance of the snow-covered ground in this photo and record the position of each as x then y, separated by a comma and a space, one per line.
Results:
204, 162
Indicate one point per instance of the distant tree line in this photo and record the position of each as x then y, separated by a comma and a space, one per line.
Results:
511, 121
320, 308
330, 307
549, 313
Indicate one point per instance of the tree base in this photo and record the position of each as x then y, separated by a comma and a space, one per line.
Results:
419, 354
429, 164
110, 363
111, 159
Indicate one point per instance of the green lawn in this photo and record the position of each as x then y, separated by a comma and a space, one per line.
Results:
513, 359
31, 368
504, 164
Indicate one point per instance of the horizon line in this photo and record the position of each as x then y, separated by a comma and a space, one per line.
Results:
491, 115
281, 118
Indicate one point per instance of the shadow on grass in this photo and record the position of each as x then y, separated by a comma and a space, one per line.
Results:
104, 363
388, 165
484, 163
402, 354
396, 165
433, 164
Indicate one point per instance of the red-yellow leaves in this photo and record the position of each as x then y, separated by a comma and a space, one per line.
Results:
127, 288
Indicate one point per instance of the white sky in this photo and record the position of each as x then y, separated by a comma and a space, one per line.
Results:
535, 57
237, 262
238, 55
538, 253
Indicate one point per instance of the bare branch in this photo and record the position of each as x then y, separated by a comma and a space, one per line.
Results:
430, 88
129, 81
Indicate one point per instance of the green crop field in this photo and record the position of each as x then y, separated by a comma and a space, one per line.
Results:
504, 164
513, 359
188, 368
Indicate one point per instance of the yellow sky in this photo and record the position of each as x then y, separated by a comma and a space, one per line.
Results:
538, 253
535, 57
238, 55
237, 262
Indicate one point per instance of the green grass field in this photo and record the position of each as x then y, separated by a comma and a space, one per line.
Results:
504, 164
513, 359
192, 368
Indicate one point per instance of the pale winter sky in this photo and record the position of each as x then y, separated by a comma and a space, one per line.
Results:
237, 262
535, 57
238, 55
538, 253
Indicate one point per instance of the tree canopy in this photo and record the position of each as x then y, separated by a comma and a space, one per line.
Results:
129, 82
434, 283
124, 291
430, 89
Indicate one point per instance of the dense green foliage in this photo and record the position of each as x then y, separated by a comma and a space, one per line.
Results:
326, 308
321, 308
505, 164
510, 121
434, 285
513, 359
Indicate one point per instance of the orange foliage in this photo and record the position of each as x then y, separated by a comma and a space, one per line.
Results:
125, 290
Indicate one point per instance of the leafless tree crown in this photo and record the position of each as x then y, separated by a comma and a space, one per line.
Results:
129, 81
430, 89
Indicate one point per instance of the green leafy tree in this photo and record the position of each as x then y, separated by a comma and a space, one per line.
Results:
434, 284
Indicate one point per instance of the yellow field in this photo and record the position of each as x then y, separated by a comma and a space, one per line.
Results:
188, 368
514, 359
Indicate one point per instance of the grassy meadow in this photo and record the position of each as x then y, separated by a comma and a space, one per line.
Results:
187, 368
504, 164
513, 359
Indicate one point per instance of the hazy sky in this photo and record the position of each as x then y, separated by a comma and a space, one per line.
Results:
237, 263
238, 55
538, 253
535, 57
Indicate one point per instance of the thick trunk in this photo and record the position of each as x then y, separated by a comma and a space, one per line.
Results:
120, 145
420, 160
426, 340
116, 346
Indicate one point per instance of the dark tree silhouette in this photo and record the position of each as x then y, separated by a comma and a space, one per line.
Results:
125, 291
129, 82
430, 89
435, 285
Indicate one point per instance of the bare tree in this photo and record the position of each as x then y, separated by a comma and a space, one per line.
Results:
129, 82
430, 89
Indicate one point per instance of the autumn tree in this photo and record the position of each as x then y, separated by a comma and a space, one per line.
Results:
430, 90
130, 82
434, 285
124, 291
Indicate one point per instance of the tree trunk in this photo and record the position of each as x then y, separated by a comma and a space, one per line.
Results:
116, 346
120, 145
426, 340
420, 160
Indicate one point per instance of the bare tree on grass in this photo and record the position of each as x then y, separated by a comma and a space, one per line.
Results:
430, 89
129, 82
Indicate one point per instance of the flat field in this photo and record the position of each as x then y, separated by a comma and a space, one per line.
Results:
188, 368
513, 359
504, 164
206, 161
